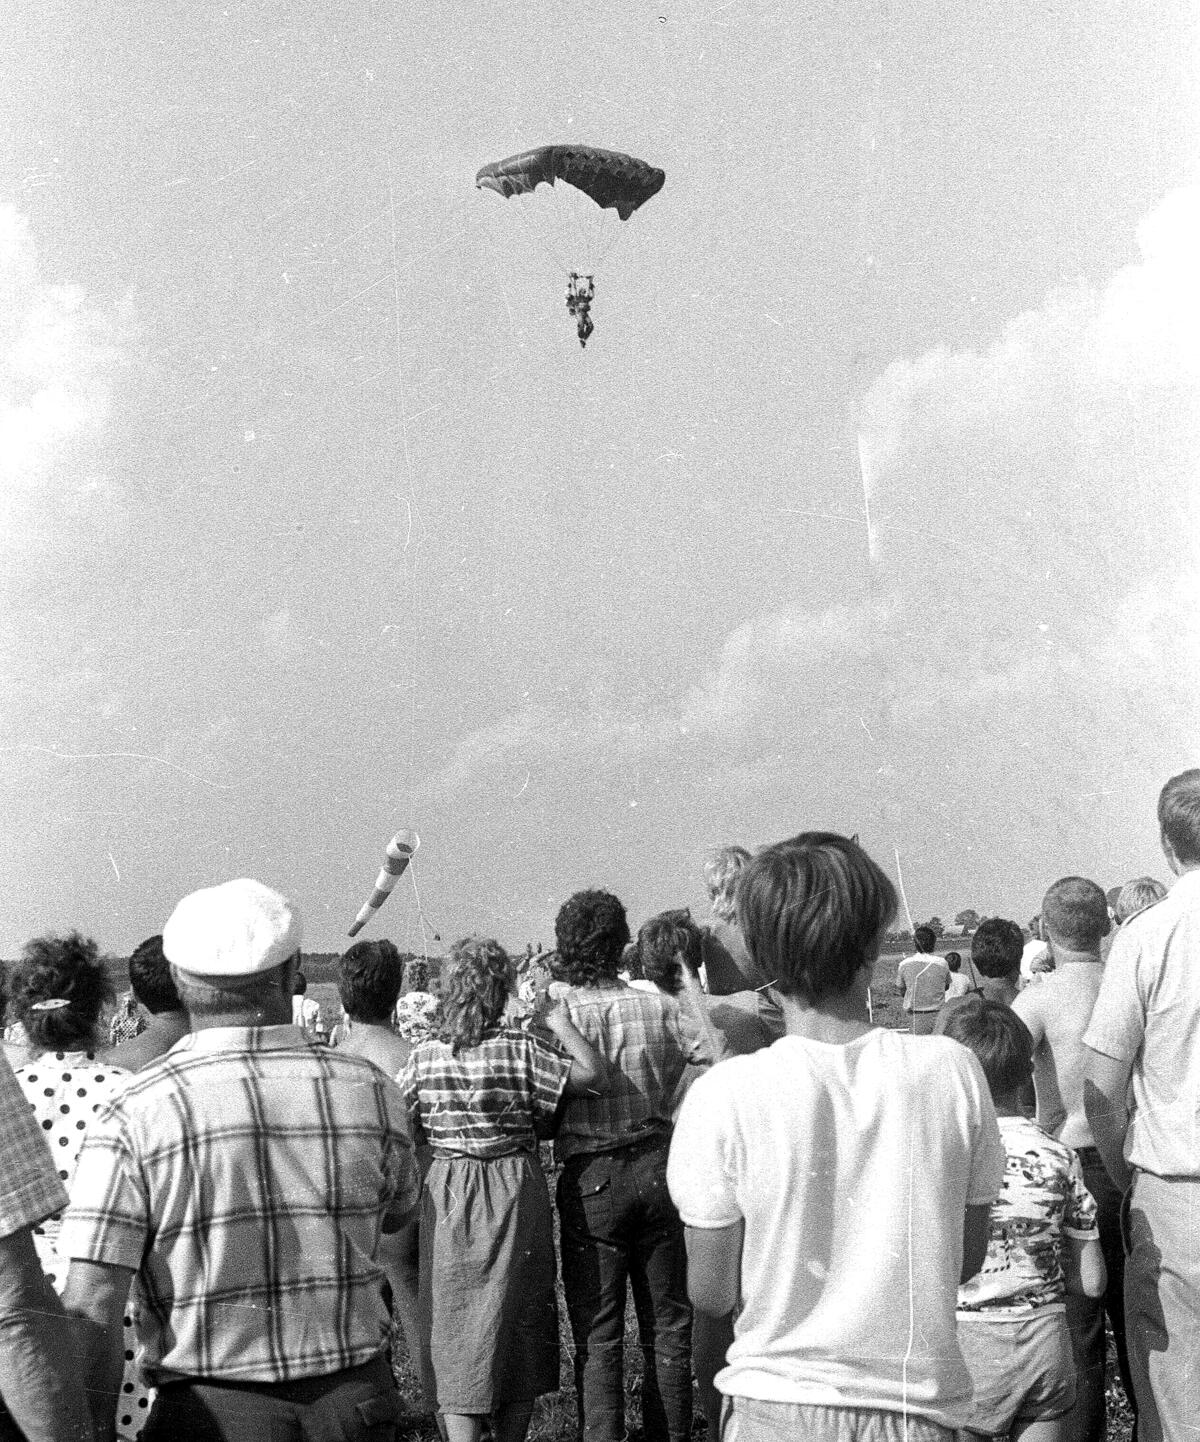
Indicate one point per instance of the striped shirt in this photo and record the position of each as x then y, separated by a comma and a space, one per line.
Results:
244, 1177
30, 1188
647, 1043
490, 1100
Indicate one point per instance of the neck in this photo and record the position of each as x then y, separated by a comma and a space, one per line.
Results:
1064, 956
999, 988
834, 1019
1008, 1106
246, 1016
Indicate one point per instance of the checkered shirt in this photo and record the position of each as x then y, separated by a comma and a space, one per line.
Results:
488, 1101
243, 1176
647, 1043
30, 1188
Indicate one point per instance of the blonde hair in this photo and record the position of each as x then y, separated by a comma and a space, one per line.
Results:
721, 873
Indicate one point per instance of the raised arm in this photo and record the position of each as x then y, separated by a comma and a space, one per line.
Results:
589, 1073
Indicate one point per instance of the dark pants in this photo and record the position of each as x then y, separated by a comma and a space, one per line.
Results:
618, 1225
358, 1405
1085, 1315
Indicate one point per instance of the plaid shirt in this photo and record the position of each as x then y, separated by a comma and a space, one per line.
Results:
30, 1188
244, 1177
645, 1040
488, 1101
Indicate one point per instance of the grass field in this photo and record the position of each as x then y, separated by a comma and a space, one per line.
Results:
554, 1418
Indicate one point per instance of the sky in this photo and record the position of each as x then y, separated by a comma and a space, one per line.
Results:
872, 504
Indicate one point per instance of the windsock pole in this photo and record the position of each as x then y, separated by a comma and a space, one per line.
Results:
400, 850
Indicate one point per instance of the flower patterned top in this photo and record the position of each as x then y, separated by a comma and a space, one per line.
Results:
1042, 1200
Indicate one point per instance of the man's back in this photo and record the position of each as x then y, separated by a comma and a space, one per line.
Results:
925, 978
246, 1176
1057, 1011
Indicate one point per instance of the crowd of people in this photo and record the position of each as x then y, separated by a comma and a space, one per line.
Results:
222, 1224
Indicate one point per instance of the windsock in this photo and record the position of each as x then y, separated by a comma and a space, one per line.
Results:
400, 851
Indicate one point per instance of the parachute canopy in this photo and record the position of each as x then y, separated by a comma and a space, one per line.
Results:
614, 181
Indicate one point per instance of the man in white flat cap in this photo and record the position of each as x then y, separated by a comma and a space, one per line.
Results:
241, 1183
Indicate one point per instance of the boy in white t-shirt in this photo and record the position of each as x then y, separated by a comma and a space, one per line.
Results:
835, 1186
1043, 1243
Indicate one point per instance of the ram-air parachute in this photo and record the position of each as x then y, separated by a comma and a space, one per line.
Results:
576, 225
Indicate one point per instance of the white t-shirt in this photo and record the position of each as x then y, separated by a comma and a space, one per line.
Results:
851, 1166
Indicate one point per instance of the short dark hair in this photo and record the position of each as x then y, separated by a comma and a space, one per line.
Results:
150, 978
300, 984
812, 910
666, 943
1179, 815
953, 960
60, 968
996, 948
925, 938
370, 975
1075, 913
998, 1037
591, 931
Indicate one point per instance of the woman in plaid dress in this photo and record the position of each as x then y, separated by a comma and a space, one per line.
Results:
482, 1098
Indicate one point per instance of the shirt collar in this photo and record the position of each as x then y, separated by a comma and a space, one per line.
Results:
243, 1038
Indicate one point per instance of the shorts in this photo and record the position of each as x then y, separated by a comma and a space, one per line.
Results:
746, 1419
1022, 1370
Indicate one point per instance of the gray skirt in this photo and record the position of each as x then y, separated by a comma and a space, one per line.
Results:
489, 1317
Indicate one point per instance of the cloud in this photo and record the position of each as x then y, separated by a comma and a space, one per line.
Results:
59, 358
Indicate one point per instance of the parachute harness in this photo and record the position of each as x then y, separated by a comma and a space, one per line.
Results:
581, 290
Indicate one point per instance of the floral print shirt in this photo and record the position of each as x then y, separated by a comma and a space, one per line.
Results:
1042, 1200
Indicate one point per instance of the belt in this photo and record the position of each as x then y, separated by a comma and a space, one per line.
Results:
648, 1142
300, 1390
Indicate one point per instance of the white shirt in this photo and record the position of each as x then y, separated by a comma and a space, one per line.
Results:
851, 1166
1148, 1013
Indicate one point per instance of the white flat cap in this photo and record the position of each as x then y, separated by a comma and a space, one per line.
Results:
237, 929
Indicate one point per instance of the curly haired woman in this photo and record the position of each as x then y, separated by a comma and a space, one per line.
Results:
58, 991
482, 1097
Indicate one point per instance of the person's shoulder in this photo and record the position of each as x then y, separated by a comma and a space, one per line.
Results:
1025, 1137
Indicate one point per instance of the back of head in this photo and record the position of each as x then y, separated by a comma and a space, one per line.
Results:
58, 989
1179, 816
370, 975
925, 938
476, 980
998, 1037
150, 978
812, 911
996, 948
665, 944
230, 947
953, 960
1137, 895
591, 931
299, 984
721, 872
1075, 914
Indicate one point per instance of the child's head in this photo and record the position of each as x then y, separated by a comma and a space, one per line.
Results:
1075, 914
999, 1038
813, 911
953, 960
996, 949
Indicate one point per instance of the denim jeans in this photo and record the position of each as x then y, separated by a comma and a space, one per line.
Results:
619, 1224
1085, 1315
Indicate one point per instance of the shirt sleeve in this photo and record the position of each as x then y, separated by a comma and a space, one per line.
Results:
402, 1185
699, 1176
30, 1188
108, 1219
1118, 1022
1079, 1215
